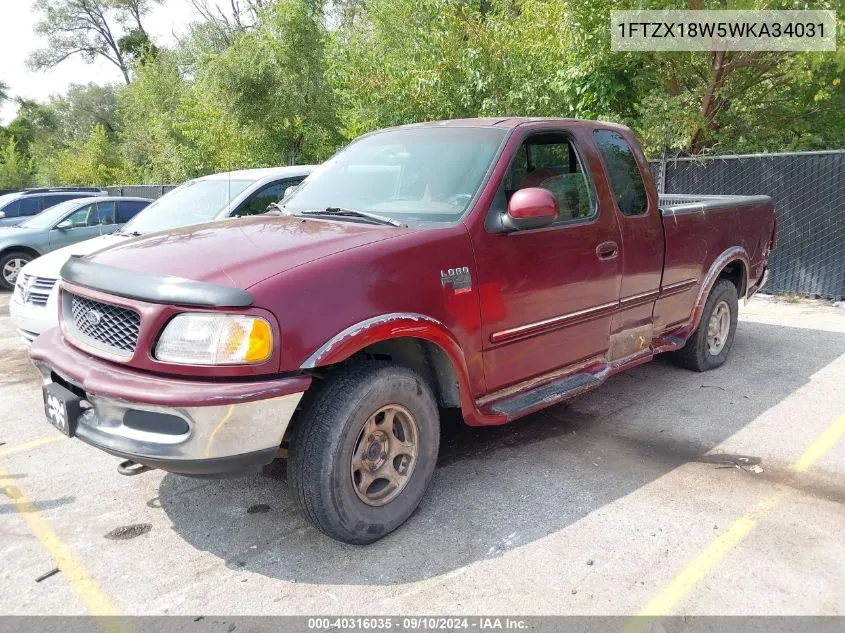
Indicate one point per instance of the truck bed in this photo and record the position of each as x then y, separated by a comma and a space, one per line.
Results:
698, 229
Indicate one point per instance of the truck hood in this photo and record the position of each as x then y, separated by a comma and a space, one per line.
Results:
243, 251
50, 264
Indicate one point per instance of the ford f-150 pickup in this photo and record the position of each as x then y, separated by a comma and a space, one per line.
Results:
498, 266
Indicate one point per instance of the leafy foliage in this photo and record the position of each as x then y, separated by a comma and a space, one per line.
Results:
281, 81
15, 168
90, 28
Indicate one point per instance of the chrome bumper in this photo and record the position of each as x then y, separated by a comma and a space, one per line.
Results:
190, 440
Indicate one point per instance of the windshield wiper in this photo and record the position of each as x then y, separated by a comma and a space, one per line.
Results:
341, 212
130, 234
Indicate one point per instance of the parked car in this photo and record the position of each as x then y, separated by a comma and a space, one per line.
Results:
230, 194
59, 226
495, 265
18, 206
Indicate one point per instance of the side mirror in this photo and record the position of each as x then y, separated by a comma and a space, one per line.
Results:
2, 214
64, 224
289, 191
530, 208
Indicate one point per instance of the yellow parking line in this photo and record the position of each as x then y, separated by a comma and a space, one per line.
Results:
707, 559
715, 551
89, 592
823, 443
22, 448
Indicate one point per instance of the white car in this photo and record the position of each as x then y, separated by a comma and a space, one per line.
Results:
34, 305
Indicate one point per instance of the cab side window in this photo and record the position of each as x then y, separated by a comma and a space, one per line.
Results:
106, 212
49, 201
551, 161
12, 209
85, 216
257, 202
30, 206
128, 209
623, 171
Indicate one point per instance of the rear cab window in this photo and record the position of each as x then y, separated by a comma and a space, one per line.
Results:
626, 181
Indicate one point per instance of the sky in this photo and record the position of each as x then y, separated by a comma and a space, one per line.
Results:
17, 40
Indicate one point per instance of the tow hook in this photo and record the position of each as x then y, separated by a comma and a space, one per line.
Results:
130, 468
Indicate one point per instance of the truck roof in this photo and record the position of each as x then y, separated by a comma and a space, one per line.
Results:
512, 122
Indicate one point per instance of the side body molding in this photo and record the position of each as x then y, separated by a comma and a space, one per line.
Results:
398, 325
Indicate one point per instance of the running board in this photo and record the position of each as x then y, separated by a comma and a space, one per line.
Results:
547, 394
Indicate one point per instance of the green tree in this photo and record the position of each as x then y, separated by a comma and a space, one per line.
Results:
15, 168
90, 28
92, 162
83, 107
411, 60
272, 81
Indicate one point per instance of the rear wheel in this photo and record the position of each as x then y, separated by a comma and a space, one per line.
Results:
364, 450
10, 267
709, 345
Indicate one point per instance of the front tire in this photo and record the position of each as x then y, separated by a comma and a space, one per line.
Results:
709, 345
10, 267
363, 451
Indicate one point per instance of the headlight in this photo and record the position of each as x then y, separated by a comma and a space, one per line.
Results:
215, 339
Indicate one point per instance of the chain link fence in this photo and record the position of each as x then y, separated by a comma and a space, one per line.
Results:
808, 190
141, 191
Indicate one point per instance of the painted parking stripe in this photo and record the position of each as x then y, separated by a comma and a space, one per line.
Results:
96, 602
715, 551
826, 441
28, 446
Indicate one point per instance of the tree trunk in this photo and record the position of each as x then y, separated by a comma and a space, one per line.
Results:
710, 102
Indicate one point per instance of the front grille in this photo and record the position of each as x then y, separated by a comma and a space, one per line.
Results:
35, 290
101, 325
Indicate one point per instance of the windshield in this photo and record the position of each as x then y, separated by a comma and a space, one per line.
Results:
193, 202
48, 218
408, 174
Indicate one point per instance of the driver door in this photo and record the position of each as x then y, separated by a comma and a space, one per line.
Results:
548, 294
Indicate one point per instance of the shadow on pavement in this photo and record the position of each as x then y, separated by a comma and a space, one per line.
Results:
499, 488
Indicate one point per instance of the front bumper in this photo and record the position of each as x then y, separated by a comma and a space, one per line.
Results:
183, 426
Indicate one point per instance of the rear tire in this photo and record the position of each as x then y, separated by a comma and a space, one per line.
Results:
363, 451
709, 345
10, 266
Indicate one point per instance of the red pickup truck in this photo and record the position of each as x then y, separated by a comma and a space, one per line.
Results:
498, 266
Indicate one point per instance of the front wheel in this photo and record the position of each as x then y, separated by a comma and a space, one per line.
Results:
708, 346
363, 451
10, 268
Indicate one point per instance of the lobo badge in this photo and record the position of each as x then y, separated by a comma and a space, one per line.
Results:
458, 278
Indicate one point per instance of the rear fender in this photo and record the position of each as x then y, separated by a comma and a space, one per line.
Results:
733, 254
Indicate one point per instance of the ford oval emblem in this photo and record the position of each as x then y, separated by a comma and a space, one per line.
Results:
94, 317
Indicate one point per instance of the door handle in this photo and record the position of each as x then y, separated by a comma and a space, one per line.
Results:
607, 251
